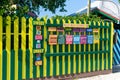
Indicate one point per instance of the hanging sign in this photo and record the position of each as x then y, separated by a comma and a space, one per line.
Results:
89, 30
95, 30
69, 39
38, 45
61, 39
38, 22
90, 39
38, 32
76, 39
38, 37
61, 29
96, 38
83, 39
38, 63
82, 30
76, 30
52, 39
38, 50
72, 25
52, 29
38, 28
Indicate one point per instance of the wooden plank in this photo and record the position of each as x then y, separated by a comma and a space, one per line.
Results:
16, 44
1, 44
23, 45
31, 46
8, 45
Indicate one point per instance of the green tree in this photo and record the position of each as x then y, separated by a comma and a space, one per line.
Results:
24, 6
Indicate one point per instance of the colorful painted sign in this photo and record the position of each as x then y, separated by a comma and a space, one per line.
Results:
38, 41
61, 39
52, 29
90, 39
38, 50
38, 32
38, 45
82, 30
89, 30
72, 25
69, 39
76, 39
38, 63
76, 30
61, 29
38, 22
38, 37
38, 28
83, 39
96, 35
52, 39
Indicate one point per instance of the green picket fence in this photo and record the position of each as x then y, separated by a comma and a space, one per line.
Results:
17, 57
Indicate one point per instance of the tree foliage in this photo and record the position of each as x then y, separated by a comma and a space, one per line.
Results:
24, 6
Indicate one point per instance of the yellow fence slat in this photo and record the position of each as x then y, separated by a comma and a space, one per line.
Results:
57, 58
103, 46
69, 60
107, 47
79, 58
16, 43
31, 46
63, 57
74, 57
45, 47
111, 45
23, 47
8, 46
1, 22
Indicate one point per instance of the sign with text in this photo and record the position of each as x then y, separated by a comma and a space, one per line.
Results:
38, 51
52, 39
61, 29
61, 39
38, 63
82, 30
76, 39
52, 29
90, 39
83, 39
76, 30
72, 25
69, 39
38, 37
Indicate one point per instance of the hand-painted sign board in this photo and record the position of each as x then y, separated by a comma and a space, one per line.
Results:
76, 39
61, 29
38, 45
76, 30
83, 39
38, 50
82, 30
61, 39
38, 28
38, 32
89, 30
90, 39
38, 22
52, 29
52, 39
69, 39
72, 25
38, 63
38, 37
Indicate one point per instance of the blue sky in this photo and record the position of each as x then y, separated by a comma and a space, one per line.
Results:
71, 7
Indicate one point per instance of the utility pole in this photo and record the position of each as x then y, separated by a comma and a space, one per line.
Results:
88, 9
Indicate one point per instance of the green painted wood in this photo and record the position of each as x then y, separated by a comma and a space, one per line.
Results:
12, 74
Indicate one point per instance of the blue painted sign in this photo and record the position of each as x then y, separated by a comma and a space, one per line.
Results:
90, 39
76, 39
89, 30
61, 39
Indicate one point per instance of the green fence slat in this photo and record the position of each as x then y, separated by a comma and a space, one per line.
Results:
12, 74
27, 64
20, 64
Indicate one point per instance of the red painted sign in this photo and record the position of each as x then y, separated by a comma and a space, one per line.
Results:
38, 37
69, 39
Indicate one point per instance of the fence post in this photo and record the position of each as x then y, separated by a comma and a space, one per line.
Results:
16, 44
8, 45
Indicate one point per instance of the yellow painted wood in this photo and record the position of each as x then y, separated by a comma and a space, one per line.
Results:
98, 55
51, 51
103, 47
69, 61
79, 58
111, 45
51, 59
8, 46
16, 43
45, 47
31, 46
74, 58
23, 45
63, 57
1, 44
84, 70
107, 47
57, 59
94, 23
